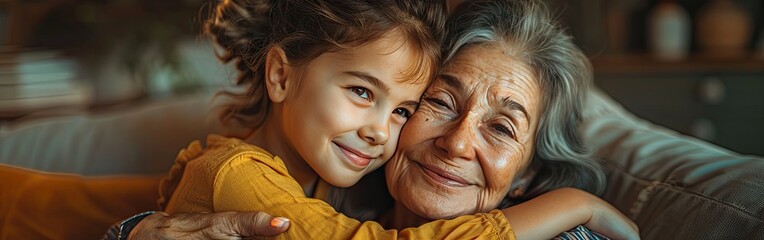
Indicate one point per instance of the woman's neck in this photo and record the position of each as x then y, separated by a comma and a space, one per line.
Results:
270, 137
401, 217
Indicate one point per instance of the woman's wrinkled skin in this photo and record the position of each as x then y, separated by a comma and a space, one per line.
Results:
472, 135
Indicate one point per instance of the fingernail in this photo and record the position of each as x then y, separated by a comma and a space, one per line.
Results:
279, 222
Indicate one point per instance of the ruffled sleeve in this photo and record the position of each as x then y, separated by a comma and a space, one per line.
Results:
169, 183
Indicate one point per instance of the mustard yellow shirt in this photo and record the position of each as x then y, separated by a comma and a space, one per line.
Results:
231, 175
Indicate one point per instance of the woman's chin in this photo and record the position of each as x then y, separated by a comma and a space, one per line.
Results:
429, 210
445, 215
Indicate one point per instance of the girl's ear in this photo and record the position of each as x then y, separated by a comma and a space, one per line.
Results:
277, 74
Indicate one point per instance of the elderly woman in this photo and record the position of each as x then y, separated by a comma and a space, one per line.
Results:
506, 104
498, 127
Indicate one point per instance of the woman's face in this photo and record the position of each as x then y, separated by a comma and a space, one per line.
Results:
472, 135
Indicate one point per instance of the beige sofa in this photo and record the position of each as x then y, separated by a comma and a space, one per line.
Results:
673, 186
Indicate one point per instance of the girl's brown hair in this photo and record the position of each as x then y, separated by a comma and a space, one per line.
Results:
304, 29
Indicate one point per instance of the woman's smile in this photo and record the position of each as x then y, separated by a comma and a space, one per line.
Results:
442, 176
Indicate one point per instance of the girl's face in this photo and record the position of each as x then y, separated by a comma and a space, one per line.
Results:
346, 111
471, 137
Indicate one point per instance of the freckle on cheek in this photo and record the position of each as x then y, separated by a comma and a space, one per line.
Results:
426, 119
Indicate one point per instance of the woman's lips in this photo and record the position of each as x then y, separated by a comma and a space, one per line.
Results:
355, 157
443, 177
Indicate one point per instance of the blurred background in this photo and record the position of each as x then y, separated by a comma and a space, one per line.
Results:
695, 66
92, 54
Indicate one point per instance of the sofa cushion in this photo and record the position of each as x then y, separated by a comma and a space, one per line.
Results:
137, 139
674, 186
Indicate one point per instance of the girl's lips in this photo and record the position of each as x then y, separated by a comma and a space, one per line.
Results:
354, 157
443, 176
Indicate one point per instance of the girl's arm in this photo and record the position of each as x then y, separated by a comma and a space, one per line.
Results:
262, 186
254, 185
560, 210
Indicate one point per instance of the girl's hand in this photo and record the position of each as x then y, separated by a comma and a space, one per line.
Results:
607, 220
554, 212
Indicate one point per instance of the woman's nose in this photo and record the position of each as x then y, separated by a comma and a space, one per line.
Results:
376, 132
459, 141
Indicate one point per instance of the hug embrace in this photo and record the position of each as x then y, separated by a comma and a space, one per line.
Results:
474, 116
367, 119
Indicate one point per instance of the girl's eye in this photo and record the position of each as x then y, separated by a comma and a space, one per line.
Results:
361, 92
403, 112
504, 130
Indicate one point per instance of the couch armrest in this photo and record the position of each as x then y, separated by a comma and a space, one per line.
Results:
139, 139
674, 186
40, 205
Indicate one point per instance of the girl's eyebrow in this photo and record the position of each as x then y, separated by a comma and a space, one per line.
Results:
411, 104
370, 79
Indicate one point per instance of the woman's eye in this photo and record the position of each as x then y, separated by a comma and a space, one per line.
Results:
503, 130
361, 92
403, 112
438, 102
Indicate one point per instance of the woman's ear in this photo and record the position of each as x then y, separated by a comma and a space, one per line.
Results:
521, 182
277, 74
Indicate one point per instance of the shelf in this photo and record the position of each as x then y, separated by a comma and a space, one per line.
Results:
22, 16
641, 64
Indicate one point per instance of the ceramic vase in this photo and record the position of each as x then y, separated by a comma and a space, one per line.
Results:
669, 31
723, 29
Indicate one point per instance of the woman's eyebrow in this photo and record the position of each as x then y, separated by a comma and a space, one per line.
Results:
370, 79
512, 105
452, 81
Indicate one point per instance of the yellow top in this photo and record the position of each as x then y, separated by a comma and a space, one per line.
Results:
231, 175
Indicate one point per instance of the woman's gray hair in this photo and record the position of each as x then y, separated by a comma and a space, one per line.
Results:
527, 31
